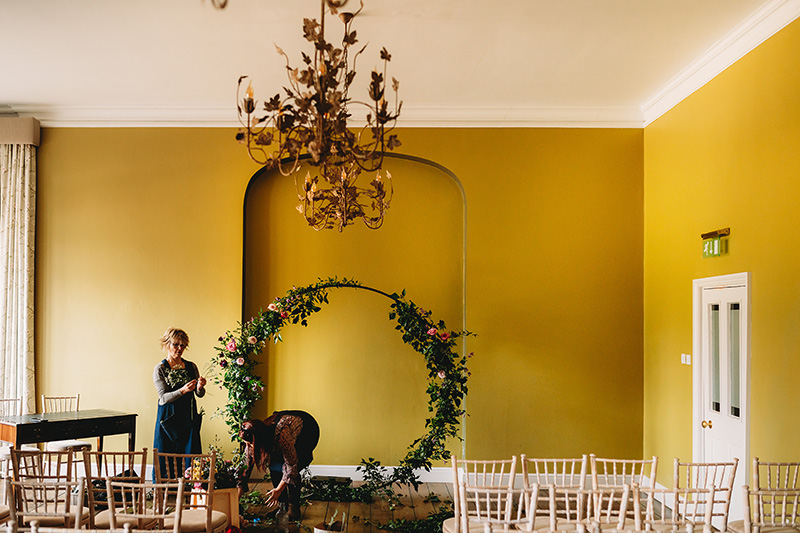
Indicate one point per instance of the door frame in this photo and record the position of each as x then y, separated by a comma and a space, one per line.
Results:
739, 279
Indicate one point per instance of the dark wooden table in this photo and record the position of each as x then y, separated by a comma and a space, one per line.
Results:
27, 429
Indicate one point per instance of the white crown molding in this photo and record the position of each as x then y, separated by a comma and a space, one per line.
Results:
130, 116
764, 23
520, 117
412, 117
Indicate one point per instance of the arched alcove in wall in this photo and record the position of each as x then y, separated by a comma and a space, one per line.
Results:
349, 367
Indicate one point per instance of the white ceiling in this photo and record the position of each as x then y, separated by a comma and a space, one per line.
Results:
618, 63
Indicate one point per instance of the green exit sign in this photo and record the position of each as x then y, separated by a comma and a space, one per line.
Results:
712, 247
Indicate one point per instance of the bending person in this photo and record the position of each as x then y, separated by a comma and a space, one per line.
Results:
283, 444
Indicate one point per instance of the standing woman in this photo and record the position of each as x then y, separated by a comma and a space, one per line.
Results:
177, 383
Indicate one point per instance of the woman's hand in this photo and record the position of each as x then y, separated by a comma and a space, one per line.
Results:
201, 382
189, 387
272, 496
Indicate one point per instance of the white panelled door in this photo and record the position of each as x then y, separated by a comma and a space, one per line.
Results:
721, 376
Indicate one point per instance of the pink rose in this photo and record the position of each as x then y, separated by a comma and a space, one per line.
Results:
432, 331
231, 346
444, 335
442, 374
252, 340
240, 361
272, 307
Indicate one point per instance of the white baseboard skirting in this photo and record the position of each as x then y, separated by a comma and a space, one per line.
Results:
438, 474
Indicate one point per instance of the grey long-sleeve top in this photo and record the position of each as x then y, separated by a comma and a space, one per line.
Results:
165, 395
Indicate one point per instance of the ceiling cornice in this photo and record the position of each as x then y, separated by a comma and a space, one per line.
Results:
765, 23
412, 117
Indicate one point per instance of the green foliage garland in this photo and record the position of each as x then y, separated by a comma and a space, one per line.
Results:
447, 369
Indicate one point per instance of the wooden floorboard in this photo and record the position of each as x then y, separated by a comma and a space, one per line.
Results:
361, 517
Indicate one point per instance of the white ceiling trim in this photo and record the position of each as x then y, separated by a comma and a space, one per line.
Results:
411, 117
520, 117
765, 23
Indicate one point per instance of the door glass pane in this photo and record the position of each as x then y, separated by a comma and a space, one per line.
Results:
733, 343
714, 342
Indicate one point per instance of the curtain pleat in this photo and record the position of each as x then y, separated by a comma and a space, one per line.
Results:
17, 221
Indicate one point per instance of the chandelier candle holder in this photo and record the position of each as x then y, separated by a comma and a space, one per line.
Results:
309, 123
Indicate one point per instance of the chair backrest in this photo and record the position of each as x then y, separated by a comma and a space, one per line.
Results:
131, 505
48, 503
60, 404
564, 508
118, 466
774, 508
10, 407
606, 505
720, 476
495, 508
559, 472
771, 475
619, 472
195, 469
479, 473
42, 465
676, 508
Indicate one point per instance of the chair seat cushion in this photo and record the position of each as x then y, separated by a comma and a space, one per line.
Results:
738, 527
194, 521
102, 520
66, 445
449, 526
5, 512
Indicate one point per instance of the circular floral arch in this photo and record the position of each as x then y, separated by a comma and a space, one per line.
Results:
447, 369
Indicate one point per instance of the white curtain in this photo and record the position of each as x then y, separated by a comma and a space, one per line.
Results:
17, 218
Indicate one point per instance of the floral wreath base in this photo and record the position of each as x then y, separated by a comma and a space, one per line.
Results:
447, 369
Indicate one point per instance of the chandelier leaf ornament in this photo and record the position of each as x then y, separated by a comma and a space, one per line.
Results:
309, 123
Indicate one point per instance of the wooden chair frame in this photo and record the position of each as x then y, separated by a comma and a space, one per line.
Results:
498, 473
109, 465
201, 494
676, 508
42, 465
496, 508
130, 508
33, 502
720, 476
771, 508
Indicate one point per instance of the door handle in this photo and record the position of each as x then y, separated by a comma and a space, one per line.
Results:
706, 424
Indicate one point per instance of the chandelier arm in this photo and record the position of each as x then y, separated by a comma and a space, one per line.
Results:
311, 122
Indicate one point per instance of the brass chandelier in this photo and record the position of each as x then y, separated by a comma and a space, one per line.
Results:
309, 122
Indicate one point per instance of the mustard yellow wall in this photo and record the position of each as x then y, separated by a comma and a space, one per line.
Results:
727, 156
140, 229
